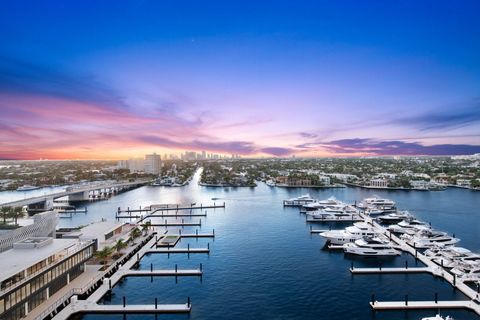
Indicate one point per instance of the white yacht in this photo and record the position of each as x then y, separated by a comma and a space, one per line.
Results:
341, 215
331, 202
298, 201
371, 247
27, 187
395, 217
467, 274
438, 317
409, 226
451, 256
270, 183
371, 211
429, 238
349, 234
384, 204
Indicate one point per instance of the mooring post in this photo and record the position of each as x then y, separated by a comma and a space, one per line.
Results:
380, 266
188, 247
151, 267
436, 297
196, 232
454, 279
188, 302
176, 268
406, 299
351, 265
201, 267
373, 298
124, 301
110, 284
156, 303
406, 264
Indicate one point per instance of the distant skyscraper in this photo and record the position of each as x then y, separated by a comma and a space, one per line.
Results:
204, 155
152, 163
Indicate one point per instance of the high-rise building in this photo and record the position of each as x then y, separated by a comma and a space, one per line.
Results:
136, 164
152, 163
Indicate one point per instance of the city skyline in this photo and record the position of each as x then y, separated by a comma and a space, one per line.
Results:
254, 79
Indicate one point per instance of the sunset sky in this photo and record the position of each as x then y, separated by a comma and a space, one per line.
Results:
118, 79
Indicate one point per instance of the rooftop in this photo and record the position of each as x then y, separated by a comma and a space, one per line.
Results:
15, 260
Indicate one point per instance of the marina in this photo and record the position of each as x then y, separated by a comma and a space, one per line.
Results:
183, 252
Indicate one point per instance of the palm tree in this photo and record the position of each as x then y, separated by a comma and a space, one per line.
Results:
104, 254
135, 233
120, 245
5, 211
146, 226
16, 213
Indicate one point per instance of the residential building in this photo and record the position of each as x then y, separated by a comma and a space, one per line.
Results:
152, 163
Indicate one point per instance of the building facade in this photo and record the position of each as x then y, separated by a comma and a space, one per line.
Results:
46, 266
152, 163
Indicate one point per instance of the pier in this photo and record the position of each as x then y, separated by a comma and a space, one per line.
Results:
431, 267
178, 224
164, 273
180, 250
412, 305
381, 270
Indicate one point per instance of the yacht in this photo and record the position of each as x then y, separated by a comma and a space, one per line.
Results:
395, 217
331, 202
371, 211
27, 187
384, 204
450, 256
371, 247
326, 214
409, 226
349, 234
428, 238
438, 317
299, 201
270, 183
467, 274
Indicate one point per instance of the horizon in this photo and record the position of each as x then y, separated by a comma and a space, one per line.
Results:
311, 80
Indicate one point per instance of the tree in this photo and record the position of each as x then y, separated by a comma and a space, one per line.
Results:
104, 254
120, 245
135, 233
146, 226
16, 213
5, 211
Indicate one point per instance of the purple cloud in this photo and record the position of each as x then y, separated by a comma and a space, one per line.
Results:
277, 151
395, 147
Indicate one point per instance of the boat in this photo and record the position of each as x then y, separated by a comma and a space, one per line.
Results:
409, 226
371, 246
27, 187
438, 317
333, 215
385, 204
371, 211
270, 183
331, 202
395, 217
299, 201
349, 234
449, 257
467, 274
428, 238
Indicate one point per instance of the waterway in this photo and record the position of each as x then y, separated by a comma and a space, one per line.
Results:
264, 264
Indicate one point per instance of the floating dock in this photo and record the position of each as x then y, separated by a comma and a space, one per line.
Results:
381, 270
164, 273
408, 305
179, 250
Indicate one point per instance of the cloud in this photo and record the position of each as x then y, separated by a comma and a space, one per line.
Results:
308, 135
395, 147
277, 151
453, 116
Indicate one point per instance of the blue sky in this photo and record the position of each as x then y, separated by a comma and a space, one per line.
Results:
313, 78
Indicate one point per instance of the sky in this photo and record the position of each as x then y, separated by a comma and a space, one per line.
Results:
119, 79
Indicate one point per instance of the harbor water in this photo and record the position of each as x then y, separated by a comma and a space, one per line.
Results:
265, 264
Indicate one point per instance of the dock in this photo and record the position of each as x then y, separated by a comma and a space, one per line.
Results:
164, 273
177, 224
381, 270
412, 305
320, 220
179, 250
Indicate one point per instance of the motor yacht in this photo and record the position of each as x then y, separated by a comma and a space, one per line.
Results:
395, 217
429, 238
331, 202
384, 204
349, 234
341, 215
467, 274
409, 226
450, 256
298, 201
368, 246
438, 317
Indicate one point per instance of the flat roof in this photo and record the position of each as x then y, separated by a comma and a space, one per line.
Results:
99, 228
13, 261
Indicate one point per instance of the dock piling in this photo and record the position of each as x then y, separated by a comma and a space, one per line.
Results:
406, 299
436, 297
156, 303
124, 301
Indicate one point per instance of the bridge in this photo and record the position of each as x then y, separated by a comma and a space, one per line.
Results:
45, 202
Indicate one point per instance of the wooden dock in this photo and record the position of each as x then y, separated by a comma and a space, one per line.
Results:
381, 270
408, 305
